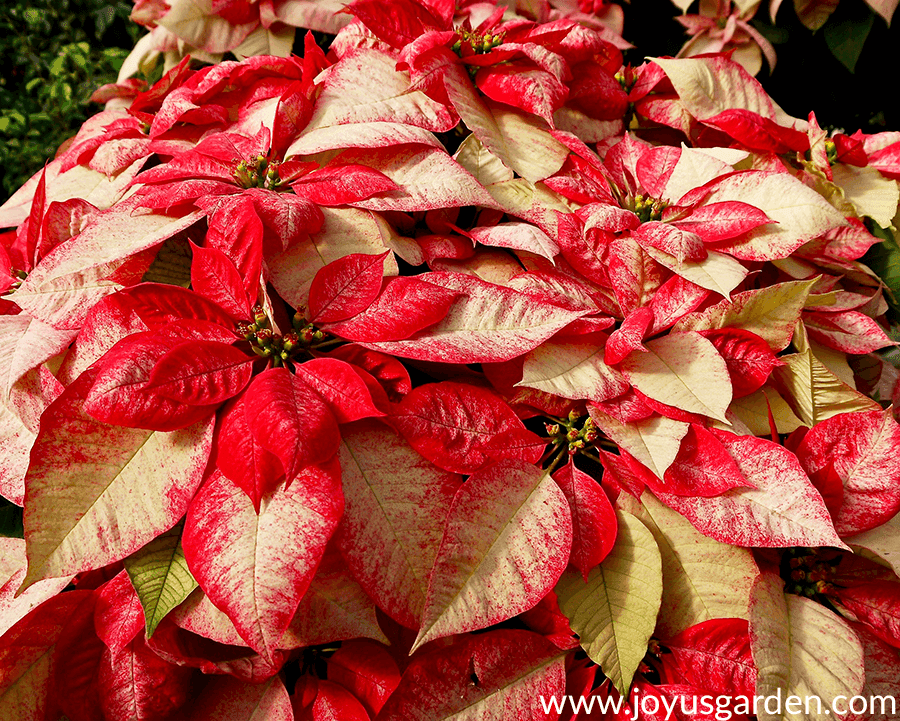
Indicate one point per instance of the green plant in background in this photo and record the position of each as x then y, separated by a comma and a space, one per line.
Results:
54, 54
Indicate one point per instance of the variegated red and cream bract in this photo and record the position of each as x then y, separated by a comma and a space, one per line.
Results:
401, 382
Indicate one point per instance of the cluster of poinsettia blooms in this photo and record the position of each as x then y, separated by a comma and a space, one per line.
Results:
453, 367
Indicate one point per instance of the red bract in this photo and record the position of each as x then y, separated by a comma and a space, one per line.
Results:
322, 379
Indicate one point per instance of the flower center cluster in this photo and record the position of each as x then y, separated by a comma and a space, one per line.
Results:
648, 208
258, 172
266, 343
807, 573
475, 43
567, 432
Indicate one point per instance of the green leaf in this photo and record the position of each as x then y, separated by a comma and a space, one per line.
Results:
615, 612
846, 38
160, 575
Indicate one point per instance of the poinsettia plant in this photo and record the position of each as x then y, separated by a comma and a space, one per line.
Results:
444, 374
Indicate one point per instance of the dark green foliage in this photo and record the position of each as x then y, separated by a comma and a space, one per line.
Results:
53, 54
10, 519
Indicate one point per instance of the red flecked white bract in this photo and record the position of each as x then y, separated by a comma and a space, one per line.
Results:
363, 380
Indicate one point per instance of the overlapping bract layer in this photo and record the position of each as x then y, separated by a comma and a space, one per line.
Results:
413, 340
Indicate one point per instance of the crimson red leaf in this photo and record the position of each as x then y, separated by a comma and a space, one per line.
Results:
759, 133
882, 671
235, 229
79, 651
27, 659
524, 86
501, 672
227, 699
681, 244
549, 621
158, 305
345, 287
784, 508
120, 394
214, 276
201, 373
118, 617
139, 685
189, 649
289, 419
397, 23
715, 655
455, 426
594, 522
238, 558
747, 356
342, 387
341, 184
366, 669
703, 467
628, 336
332, 703
722, 221
387, 370
29, 235
241, 457
862, 449
848, 331
406, 305
877, 605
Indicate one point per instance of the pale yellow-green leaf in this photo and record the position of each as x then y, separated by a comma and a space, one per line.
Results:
654, 441
753, 411
193, 21
883, 542
484, 166
770, 312
507, 540
696, 167
160, 576
367, 87
535, 153
770, 635
572, 370
615, 612
814, 392
263, 41
869, 191
90, 509
707, 89
717, 272
835, 361
683, 370
524, 199
523, 144
804, 649
702, 578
